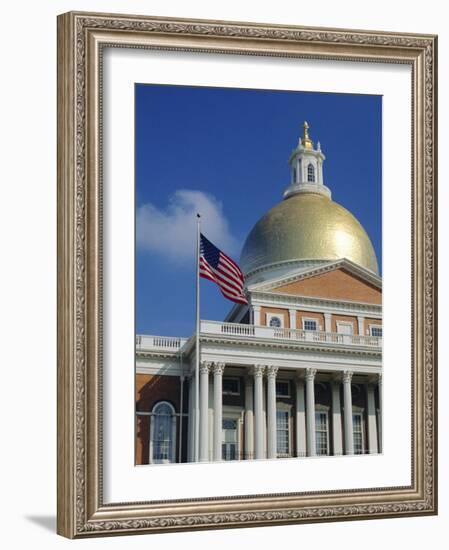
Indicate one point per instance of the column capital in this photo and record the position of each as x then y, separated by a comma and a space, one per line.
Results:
272, 371
205, 367
310, 375
256, 308
258, 370
219, 368
347, 376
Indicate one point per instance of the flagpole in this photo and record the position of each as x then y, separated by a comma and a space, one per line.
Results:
197, 347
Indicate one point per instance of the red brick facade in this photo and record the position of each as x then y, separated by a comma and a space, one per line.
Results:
335, 285
151, 389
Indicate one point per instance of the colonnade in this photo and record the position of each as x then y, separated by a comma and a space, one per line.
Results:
260, 413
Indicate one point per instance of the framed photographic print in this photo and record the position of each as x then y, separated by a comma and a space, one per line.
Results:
247, 274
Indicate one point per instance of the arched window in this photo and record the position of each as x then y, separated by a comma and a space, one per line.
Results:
163, 433
310, 173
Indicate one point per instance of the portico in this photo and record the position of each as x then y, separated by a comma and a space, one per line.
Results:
302, 408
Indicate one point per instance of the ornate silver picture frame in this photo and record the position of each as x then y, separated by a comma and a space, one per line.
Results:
83, 511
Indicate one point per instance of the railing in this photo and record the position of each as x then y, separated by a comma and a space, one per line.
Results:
161, 343
172, 343
299, 335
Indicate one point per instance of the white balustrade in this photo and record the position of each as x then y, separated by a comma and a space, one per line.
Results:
236, 329
169, 343
166, 343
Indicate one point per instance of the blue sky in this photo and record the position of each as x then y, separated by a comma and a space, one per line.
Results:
225, 151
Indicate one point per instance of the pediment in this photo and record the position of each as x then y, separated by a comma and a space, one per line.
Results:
341, 280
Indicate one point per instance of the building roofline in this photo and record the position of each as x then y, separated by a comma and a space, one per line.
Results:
352, 267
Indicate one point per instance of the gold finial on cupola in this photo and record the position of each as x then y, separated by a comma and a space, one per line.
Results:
306, 142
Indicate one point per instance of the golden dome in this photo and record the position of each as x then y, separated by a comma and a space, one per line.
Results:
307, 226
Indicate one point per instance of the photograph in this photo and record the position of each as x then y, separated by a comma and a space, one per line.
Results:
258, 274
246, 274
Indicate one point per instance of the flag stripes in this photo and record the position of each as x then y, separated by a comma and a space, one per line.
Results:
219, 268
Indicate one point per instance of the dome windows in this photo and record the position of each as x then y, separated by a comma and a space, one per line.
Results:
311, 173
306, 168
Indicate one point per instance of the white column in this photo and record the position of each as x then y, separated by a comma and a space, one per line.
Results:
204, 410
292, 313
210, 437
301, 444
361, 324
256, 315
310, 411
264, 416
191, 421
337, 440
381, 411
271, 411
258, 411
372, 423
249, 418
328, 322
320, 171
218, 409
347, 400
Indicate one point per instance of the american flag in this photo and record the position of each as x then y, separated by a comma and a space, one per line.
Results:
216, 266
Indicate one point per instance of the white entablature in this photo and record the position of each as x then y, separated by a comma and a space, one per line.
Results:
323, 305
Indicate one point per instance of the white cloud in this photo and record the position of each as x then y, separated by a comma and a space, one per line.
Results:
171, 232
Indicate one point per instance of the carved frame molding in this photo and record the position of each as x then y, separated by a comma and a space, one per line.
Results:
81, 37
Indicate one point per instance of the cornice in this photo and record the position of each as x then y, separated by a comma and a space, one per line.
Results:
292, 299
157, 353
275, 344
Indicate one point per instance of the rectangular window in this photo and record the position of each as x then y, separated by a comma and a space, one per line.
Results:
357, 430
321, 433
310, 324
376, 330
282, 432
231, 386
282, 388
229, 439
